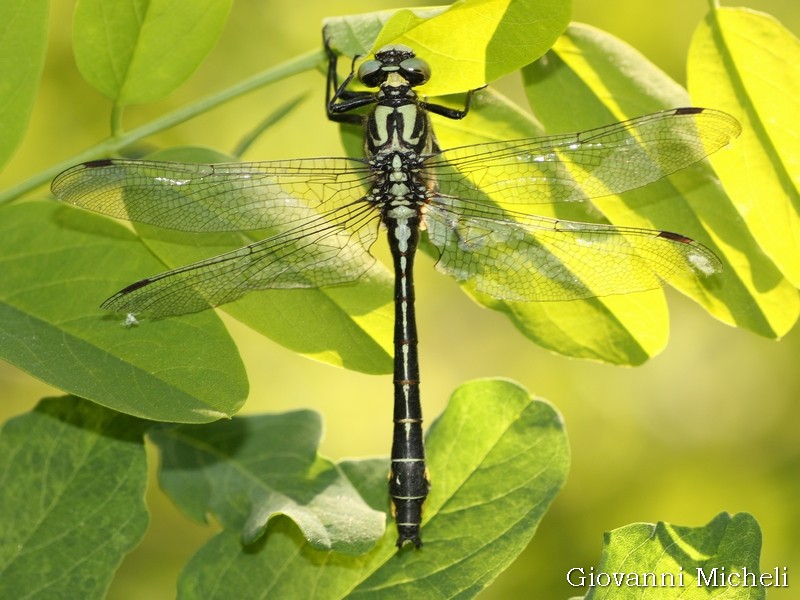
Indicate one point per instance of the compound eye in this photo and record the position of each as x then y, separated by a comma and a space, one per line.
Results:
371, 74
415, 70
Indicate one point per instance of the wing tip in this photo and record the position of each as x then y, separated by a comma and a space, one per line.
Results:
699, 257
96, 164
689, 110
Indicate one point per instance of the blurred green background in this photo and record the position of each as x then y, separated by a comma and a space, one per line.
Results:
710, 425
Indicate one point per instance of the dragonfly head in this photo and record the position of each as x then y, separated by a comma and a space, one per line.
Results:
394, 59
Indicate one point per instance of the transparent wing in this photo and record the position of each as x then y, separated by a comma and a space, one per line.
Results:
322, 249
520, 257
220, 197
323, 226
578, 166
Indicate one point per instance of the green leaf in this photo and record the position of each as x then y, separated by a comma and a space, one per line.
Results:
745, 62
136, 51
247, 471
467, 44
496, 457
693, 560
58, 264
591, 79
348, 325
22, 49
73, 481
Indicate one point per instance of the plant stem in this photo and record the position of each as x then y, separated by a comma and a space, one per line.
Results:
116, 120
112, 144
268, 122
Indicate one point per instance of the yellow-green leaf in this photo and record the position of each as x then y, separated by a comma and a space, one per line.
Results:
467, 45
748, 64
591, 78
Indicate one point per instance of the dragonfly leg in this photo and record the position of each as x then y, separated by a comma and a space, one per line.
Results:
451, 113
339, 101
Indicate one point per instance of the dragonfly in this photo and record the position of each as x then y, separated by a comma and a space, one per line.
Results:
472, 203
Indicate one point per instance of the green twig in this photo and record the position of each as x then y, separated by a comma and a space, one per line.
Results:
116, 120
302, 63
270, 120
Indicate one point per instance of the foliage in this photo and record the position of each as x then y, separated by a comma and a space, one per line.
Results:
73, 498
699, 559
497, 455
476, 522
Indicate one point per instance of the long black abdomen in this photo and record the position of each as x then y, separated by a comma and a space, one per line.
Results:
408, 478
